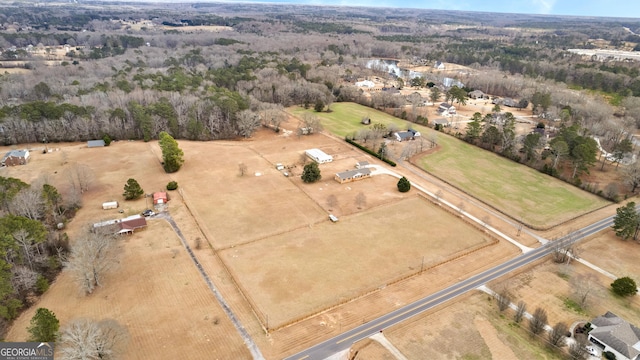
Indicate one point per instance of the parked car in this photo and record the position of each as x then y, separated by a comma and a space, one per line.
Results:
592, 351
148, 212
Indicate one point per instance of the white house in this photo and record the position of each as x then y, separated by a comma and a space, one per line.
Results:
439, 65
319, 156
616, 335
366, 84
446, 109
410, 134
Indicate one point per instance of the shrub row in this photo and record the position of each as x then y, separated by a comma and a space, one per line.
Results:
369, 151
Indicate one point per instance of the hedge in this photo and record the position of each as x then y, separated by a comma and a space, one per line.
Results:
369, 151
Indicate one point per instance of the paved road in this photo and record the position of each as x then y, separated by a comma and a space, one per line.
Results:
343, 341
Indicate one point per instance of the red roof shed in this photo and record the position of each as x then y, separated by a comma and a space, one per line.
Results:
160, 198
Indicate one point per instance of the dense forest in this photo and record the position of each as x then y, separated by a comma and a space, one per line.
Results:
131, 74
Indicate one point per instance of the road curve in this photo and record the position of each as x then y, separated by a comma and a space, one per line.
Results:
345, 340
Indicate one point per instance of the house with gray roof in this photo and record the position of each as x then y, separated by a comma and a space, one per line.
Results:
95, 143
614, 334
15, 157
352, 175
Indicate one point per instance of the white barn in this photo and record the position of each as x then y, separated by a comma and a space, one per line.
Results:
319, 156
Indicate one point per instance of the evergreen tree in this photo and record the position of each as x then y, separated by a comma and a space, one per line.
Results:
172, 155
311, 172
624, 286
132, 190
404, 185
626, 221
44, 326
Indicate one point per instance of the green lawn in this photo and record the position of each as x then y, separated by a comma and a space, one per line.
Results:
524, 194
345, 118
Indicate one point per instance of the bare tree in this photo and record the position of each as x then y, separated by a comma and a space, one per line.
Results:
332, 201
433, 138
361, 200
92, 255
631, 176
242, 169
88, 339
28, 203
23, 279
80, 177
247, 123
303, 159
557, 334
521, 309
310, 124
503, 299
538, 321
578, 349
583, 286
563, 248
25, 241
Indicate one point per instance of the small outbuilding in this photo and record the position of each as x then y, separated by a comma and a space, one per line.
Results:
362, 164
319, 156
95, 143
160, 198
16, 157
110, 205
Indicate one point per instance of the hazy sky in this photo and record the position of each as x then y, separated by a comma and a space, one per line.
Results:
614, 8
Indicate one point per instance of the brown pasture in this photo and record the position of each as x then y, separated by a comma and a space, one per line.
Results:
288, 275
455, 332
155, 290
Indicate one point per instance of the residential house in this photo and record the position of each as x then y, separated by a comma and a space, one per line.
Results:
365, 84
616, 335
442, 122
122, 226
477, 94
15, 157
508, 102
410, 134
439, 65
352, 175
446, 109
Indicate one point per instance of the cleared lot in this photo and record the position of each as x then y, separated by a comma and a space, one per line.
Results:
307, 270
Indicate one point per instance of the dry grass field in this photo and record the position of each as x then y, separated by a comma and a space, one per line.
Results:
289, 275
155, 290
463, 329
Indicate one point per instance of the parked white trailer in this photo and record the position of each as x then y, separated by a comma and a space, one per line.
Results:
110, 205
